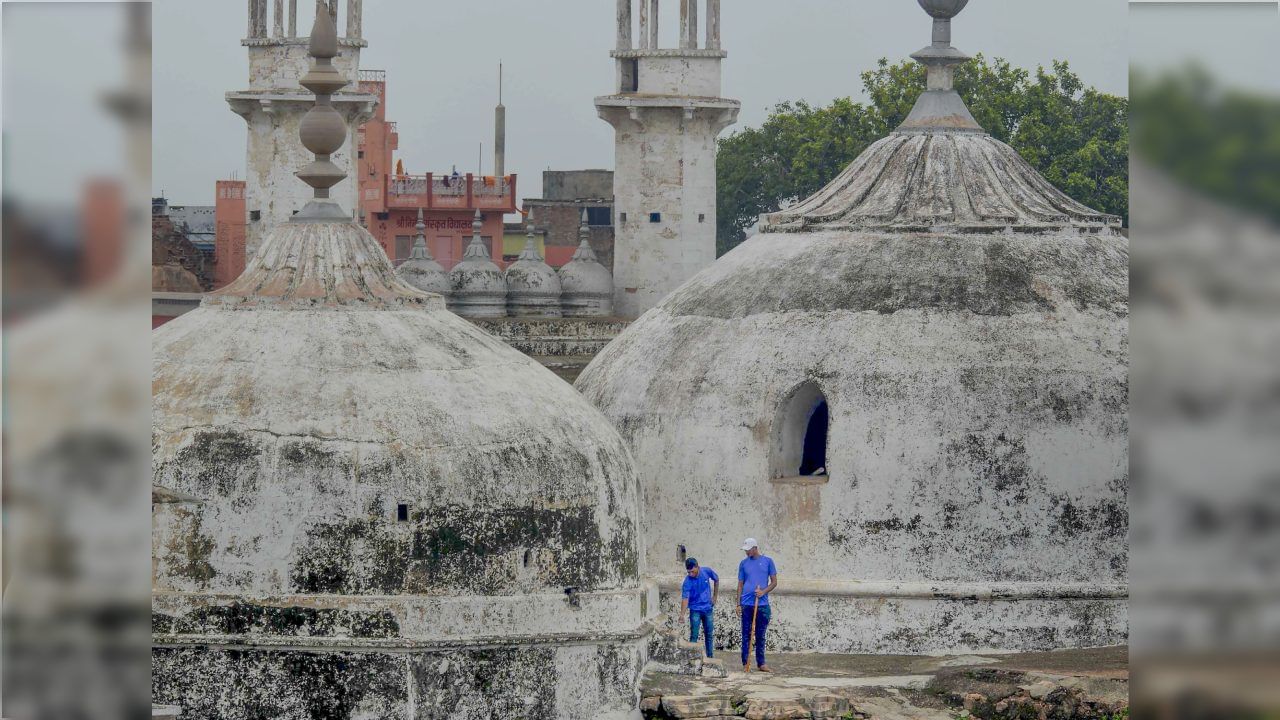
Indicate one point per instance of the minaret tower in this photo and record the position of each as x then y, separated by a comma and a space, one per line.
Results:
274, 104
500, 132
667, 113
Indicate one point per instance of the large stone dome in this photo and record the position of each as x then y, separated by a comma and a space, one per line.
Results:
383, 470
912, 389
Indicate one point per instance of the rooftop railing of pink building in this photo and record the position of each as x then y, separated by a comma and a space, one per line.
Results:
451, 191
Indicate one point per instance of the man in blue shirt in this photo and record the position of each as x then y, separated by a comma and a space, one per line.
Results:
757, 577
700, 591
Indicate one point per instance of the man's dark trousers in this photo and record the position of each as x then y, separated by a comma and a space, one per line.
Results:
762, 623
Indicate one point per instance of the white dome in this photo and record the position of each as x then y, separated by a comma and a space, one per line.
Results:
421, 270
533, 288
587, 286
425, 275
478, 287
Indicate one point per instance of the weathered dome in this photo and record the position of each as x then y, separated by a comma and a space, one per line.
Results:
304, 421
586, 285
421, 270
478, 288
533, 288
912, 389
375, 467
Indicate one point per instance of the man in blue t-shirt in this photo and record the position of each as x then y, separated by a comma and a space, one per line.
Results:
757, 577
700, 591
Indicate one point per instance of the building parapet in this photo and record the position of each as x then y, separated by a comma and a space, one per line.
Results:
446, 192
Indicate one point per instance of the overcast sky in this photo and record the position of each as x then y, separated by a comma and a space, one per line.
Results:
441, 60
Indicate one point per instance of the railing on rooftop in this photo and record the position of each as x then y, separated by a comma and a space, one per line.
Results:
392, 127
450, 191
372, 76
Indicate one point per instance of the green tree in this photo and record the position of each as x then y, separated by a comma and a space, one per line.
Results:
1222, 141
1077, 137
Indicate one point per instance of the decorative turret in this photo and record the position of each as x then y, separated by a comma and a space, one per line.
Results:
421, 270
533, 288
479, 289
586, 285
666, 113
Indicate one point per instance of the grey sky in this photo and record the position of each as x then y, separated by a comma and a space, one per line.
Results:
441, 59
1234, 42
59, 59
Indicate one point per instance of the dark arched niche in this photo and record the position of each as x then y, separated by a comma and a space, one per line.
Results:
800, 432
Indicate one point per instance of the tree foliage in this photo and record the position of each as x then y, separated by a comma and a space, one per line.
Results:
1077, 137
1221, 141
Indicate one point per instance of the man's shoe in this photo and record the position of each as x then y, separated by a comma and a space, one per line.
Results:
765, 668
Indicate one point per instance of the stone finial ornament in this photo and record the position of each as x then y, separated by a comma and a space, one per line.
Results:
323, 129
530, 251
420, 249
584, 250
321, 258
940, 105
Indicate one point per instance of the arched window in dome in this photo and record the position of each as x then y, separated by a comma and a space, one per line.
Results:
800, 432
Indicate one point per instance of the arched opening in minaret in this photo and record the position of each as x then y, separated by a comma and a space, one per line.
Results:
800, 436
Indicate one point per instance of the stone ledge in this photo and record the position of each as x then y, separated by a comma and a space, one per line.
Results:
935, 591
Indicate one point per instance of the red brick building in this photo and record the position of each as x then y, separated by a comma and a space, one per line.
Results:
229, 237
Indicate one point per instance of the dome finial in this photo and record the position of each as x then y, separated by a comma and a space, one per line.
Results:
476, 248
323, 129
531, 243
939, 107
584, 251
420, 250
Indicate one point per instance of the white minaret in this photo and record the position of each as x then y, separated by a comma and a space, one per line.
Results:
274, 104
667, 113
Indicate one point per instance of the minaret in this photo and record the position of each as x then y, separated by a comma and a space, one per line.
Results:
667, 113
273, 107
500, 132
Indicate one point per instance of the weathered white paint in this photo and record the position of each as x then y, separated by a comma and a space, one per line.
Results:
300, 406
